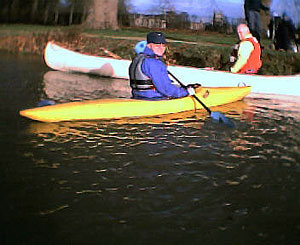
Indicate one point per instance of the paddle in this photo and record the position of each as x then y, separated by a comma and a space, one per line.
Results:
216, 116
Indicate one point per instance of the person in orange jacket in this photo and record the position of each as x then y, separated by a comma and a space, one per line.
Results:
249, 52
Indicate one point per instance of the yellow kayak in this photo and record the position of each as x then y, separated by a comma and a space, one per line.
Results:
120, 108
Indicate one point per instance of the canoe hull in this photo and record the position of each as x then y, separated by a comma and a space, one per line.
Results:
120, 108
61, 59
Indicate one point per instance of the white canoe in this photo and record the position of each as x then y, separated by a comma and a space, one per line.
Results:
62, 59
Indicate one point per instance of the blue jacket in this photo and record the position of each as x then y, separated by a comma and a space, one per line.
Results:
156, 70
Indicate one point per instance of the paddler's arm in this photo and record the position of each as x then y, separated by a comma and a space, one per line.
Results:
157, 71
244, 52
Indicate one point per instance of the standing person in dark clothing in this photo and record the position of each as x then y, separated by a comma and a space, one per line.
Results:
285, 34
252, 14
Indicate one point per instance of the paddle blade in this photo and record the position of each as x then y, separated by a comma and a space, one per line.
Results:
45, 103
218, 117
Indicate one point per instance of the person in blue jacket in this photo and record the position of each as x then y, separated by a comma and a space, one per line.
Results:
149, 75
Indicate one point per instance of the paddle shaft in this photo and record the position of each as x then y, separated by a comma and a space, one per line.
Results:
196, 98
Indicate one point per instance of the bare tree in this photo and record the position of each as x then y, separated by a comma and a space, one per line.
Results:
14, 10
166, 6
102, 14
50, 5
77, 7
34, 10
163, 7
123, 12
5, 10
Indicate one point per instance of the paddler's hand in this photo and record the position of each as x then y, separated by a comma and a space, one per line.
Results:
195, 85
191, 90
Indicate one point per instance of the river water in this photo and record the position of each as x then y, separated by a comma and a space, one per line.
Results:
167, 180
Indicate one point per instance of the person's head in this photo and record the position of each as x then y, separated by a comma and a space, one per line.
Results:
285, 16
157, 42
243, 31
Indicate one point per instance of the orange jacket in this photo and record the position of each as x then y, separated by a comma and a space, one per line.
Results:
254, 61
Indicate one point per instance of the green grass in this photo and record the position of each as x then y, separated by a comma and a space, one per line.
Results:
17, 29
204, 38
119, 33
188, 36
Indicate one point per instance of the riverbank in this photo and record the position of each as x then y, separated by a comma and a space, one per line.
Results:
186, 48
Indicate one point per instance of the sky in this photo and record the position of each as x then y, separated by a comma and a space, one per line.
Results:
289, 7
203, 8
206, 8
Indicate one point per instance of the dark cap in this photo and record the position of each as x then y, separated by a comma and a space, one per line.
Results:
156, 37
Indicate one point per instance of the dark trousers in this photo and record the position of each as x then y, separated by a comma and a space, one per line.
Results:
254, 23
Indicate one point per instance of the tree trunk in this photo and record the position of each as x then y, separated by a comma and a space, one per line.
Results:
56, 16
14, 10
102, 14
33, 13
71, 14
46, 14
84, 14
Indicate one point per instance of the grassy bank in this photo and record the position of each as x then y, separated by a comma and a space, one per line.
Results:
199, 49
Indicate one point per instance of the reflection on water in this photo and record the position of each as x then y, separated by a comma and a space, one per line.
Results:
174, 179
65, 87
183, 179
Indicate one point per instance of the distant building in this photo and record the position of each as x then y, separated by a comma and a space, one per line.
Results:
219, 19
171, 19
148, 21
197, 26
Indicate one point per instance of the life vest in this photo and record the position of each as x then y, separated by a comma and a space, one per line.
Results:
254, 61
138, 80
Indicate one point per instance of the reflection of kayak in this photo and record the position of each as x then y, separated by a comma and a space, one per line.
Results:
66, 87
119, 108
62, 59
